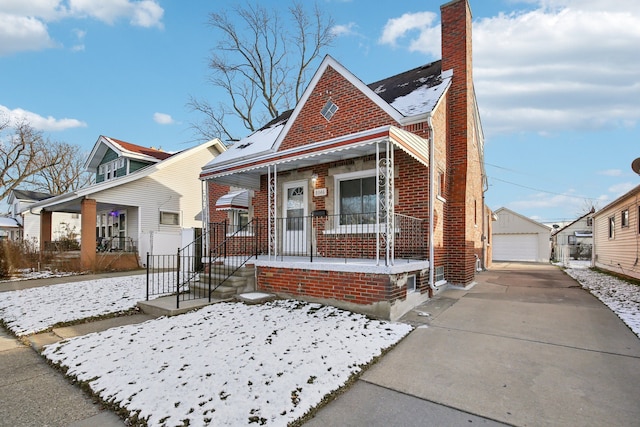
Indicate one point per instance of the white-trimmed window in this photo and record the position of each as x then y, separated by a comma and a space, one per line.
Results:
624, 218
329, 110
411, 283
169, 218
612, 227
240, 219
440, 186
110, 170
356, 197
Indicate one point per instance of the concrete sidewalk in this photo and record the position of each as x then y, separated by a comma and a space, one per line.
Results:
35, 394
527, 346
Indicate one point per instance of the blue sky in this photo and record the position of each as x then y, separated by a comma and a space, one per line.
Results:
557, 81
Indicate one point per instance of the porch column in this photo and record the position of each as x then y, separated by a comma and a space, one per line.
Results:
45, 228
88, 235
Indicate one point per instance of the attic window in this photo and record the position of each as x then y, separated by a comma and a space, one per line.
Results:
329, 110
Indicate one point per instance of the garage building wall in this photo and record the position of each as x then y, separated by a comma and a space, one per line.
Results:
518, 238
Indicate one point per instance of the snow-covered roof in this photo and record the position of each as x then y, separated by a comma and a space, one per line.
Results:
403, 96
6, 222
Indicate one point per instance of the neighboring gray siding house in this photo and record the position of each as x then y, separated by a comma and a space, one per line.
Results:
143, 200
518, 238
616, 235
574, 240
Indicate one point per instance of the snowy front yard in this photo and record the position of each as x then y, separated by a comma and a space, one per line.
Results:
226, 364
229, 363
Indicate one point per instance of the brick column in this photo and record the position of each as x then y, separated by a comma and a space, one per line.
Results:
88, 235
45, 228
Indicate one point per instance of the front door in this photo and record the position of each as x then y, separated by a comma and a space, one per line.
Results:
294, 238
120, 238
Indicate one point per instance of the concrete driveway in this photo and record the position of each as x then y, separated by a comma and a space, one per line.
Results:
526, 346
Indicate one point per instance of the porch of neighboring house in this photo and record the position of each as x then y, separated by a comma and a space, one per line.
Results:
105, 238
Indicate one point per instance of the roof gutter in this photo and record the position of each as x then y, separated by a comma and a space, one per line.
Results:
431, 204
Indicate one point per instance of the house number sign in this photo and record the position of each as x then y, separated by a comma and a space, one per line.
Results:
319, 192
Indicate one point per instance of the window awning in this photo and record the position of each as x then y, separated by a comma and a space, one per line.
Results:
233, 200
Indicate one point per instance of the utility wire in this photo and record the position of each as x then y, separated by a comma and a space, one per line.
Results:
544, 191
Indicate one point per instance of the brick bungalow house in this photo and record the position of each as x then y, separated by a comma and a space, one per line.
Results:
367, 197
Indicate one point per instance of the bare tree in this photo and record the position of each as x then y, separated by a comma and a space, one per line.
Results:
21, 149
65, 175
28, 159
260, 64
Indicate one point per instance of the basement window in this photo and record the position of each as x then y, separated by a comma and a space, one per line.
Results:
411, 283
329, 110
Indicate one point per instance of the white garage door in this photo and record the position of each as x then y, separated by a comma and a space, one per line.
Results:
515, 247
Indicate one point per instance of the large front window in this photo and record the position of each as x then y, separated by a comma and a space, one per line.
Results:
357, 200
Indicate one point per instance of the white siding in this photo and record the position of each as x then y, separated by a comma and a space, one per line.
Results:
173, 188
518, 238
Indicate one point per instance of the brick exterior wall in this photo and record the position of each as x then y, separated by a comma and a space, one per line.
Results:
464, 207
356, 288
458, 214
356, 112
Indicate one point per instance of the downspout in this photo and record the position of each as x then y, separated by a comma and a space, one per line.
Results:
431, 204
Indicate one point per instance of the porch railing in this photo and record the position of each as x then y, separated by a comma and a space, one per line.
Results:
116, 244
346, 237
178, 274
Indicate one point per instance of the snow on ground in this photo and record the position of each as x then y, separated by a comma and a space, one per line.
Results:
28, 274
33, 310
228, 363
623, 298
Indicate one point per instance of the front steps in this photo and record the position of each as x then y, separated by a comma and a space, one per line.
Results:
242, 281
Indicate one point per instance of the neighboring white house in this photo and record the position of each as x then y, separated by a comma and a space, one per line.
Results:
616, 235
518, 238
146, 200
574, 240
20, 202
9, 228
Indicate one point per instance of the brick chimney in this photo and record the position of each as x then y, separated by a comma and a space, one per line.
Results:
463, 198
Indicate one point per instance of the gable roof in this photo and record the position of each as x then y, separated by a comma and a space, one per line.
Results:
573, 222
632, 192
405, 97
6, 222
124, 149
534, 222
141, 173
28, 195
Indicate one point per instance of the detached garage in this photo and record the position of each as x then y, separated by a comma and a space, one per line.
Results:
518, 238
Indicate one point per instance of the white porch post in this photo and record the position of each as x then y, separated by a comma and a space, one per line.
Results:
385, 209
272, 210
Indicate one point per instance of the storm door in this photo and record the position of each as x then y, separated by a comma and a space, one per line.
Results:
294, 238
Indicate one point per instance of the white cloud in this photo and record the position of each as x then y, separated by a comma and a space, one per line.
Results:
146, 13
618, 190
21, 33
163, 119
344, 30
611, 172
38, 122
23, 24
565, 65
418, 28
